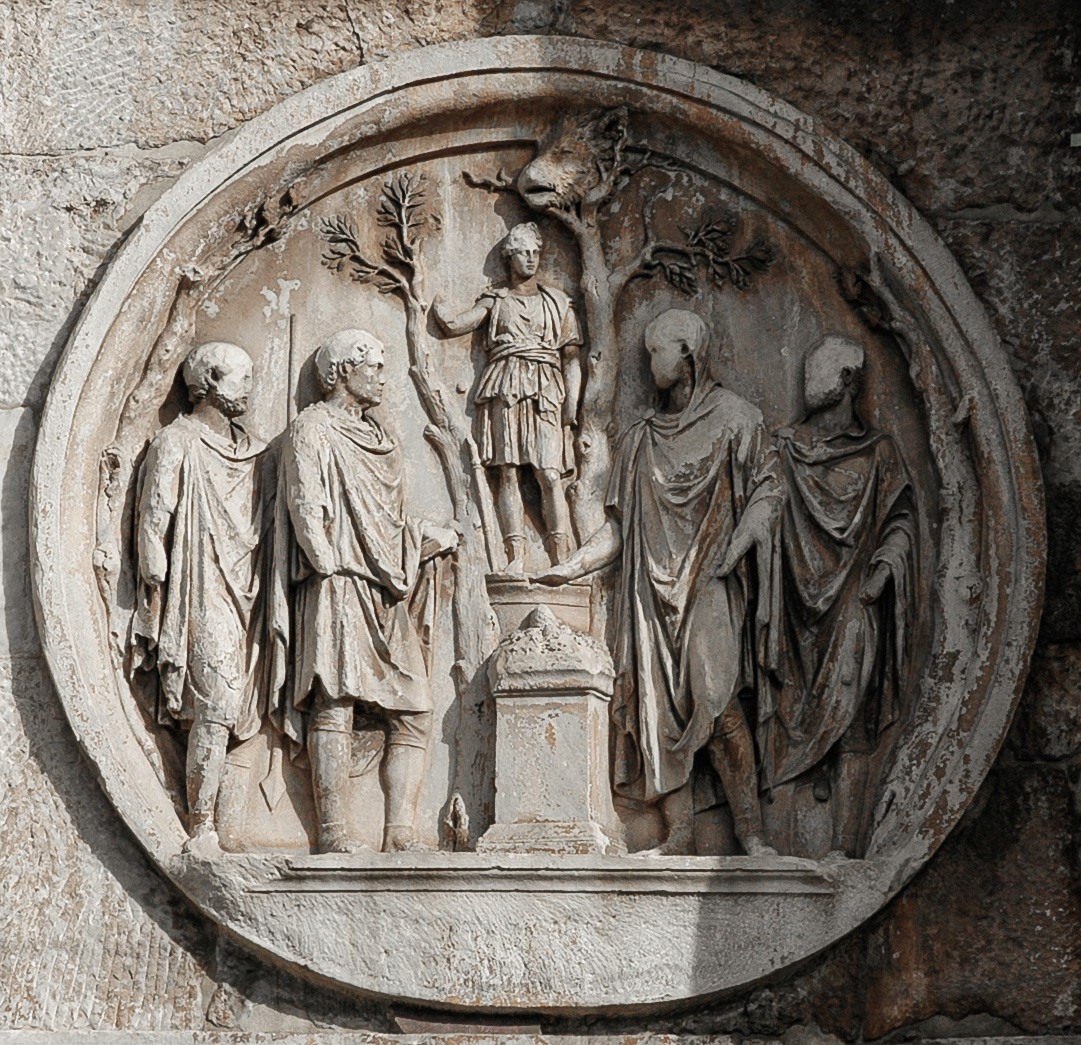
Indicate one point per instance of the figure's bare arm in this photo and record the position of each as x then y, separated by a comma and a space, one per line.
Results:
161, 488
572, 379
599, 551
454, 324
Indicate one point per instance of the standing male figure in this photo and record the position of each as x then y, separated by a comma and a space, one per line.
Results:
694, 487
199, 529
528, 392
358, 624
849, 531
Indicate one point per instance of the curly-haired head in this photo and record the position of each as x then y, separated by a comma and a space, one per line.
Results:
347, 348
524, 235
206, 364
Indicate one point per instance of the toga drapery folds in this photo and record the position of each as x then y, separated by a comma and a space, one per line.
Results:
203, 629
361, 625
850, 507
680, 485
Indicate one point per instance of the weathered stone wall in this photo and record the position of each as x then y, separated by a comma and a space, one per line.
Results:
967, 106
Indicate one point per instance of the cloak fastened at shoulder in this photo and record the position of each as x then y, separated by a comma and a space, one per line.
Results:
203, 628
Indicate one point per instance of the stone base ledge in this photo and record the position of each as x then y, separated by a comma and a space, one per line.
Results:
332, 1037
547, 873
566, 837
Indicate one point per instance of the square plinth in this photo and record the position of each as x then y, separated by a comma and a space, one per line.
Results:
552, 788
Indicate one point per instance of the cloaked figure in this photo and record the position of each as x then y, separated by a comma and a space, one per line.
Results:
201, 523
692, 506
849, 578
353, 602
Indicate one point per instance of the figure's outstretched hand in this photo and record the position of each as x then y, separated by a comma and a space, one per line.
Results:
755, 530
875, 585
440, 540
564, 573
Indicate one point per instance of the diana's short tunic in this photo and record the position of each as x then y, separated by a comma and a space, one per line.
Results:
519, 401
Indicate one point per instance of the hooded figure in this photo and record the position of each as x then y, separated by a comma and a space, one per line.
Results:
849, 537
694, 487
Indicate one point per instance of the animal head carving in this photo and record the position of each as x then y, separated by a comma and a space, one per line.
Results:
577, 160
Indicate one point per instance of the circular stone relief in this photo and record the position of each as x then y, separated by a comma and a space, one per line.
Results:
585, 469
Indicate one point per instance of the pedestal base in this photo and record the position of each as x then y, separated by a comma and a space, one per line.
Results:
567, 837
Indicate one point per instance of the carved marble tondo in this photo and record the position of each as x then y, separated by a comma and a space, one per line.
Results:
533, 525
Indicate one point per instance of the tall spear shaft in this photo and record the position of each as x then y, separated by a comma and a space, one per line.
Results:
273, 784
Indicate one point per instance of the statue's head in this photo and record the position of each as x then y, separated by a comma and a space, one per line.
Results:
832, 370
350, 362
220, 374
522, 249
677, 341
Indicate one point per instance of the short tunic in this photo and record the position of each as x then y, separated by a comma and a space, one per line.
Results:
356, 630
519, 402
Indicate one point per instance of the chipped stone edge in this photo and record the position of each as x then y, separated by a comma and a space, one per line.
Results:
827, 166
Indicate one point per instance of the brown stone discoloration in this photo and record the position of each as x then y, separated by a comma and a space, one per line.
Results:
963, 105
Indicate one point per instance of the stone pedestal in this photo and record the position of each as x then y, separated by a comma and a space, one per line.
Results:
514, 600
552, 686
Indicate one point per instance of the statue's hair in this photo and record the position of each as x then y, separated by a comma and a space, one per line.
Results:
688, 326
839, 354
516, 238
203, 366
345, 348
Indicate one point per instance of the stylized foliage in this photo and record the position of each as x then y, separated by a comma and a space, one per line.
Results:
400, 209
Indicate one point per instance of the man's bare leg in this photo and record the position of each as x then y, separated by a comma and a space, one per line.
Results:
677, 811
731, 752
557, 516
713, 659
402, 773
849, 798
207, 742
511, 514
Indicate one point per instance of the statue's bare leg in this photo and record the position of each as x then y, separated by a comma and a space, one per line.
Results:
511, 513
731, 752
677, 811
402, 774
849, 795
207, 742
713, 659
330, 750
557, 516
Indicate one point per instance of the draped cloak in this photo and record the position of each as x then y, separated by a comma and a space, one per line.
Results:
519, 400
680, 485
203, 628
850, 507
362, 631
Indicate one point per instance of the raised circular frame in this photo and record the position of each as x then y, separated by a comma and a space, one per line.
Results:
548, 934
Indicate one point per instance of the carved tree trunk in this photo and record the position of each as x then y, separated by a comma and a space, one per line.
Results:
475, 635
599, 387
476, 631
